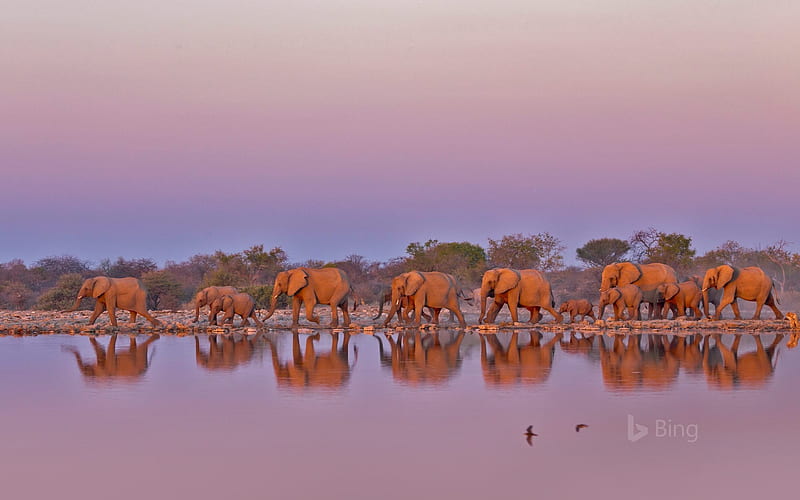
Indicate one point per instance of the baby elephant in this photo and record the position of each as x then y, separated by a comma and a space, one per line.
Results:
628, 296
683, 296
580, 307
237, 303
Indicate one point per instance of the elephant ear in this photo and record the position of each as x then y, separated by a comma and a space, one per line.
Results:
412, 282
670, 291
724, 275
509, 278
297, 280
101, 285
628, 273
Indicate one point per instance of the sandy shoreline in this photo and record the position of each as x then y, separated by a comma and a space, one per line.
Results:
182, 323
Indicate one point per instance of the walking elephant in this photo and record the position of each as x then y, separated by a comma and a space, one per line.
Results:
748, 283
575, 308
426, 289
307, 286
237, 303
128, 294
404, 309
526, 288
208, 295
621, 297
109, 364
646, 276
682, 296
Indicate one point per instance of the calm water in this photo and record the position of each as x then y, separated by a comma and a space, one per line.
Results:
287, 416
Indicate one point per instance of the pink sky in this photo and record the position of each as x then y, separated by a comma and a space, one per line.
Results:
158, 130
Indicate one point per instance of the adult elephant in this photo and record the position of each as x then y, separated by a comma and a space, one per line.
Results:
527, 288
208, 295
404, 309
426, 289
748, 283
328, 286
646, 276
128, 294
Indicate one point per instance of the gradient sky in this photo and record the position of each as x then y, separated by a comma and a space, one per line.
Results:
164, 129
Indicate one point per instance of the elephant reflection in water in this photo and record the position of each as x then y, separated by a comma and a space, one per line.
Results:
225, 352
688, 351
725, 368
418, 359
584, 345
527, 364
128, 364
626, 366
330, 370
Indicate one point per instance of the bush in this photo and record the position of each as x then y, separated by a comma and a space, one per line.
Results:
63, 294
262, 294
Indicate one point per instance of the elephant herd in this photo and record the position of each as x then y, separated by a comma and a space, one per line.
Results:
624, 286
417, 359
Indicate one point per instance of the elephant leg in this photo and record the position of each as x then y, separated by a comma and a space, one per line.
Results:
727, 299
770, 302
455, 310
334, 314
111, 306
735, 308
133, 317
345, 314
435, 315
310, 303
513, 302
419, 303
557, 315
494, 310
98, 310
296, 310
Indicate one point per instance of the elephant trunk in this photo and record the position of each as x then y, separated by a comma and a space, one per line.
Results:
484, 295
601, 309
272, 305
380, 306
76, 305
393, 309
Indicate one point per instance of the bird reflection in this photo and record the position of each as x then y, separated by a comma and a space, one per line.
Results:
725, 368
309, 369
419, 359
527, 364
225, 352
127, 364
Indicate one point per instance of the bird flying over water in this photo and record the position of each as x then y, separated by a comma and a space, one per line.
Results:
580, 426
529, 435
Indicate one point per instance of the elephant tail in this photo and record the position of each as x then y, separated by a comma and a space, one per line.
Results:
355, 298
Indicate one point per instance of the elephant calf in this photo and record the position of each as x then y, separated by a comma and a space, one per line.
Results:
682, 296
628, 296
238, 303
580, 307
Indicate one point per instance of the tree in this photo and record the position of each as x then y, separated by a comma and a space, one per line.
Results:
163, 290
541, 251
15, 295
641, 242
123, 268
465, 261
602, 252
673, 249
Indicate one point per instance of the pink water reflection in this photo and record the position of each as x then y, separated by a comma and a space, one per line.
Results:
183, 430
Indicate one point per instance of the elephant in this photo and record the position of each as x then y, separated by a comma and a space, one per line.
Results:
404, 309
682, 296
328, 371
111, 293
208, 295
714, 296
527, 288
627, 296
225, 352
329, 286
580, 307
527, 364
749, 283
646, 276
418, 359
238, 303
110, 364
426, 289
725, 368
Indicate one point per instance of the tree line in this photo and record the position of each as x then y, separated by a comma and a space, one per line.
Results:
51, 283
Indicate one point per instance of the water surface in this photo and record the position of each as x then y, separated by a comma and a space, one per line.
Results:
422, 416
